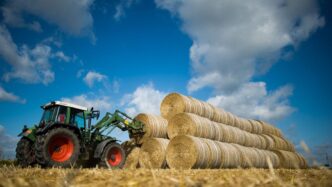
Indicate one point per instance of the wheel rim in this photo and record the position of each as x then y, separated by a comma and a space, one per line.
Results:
61, 148
114, 156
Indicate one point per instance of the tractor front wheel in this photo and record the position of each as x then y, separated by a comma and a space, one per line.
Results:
113, 156
25, 154
59, 147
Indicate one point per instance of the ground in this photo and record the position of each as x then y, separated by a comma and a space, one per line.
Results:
15, 176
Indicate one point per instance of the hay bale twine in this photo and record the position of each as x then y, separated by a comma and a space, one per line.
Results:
132, 159
186, 152
153, 153
191, 124
154, 126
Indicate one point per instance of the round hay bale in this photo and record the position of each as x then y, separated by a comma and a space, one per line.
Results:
214, 156
273, 158
132, 159
219, 133
253, 157
154, 126
208, 110
191, 124
270, 145
256, 127
219, 115
289, 160
252, 140
263, 143
281, 143
153, 153
173, 104
239, 136
245, 156
303, 162
245, 124
186, 152
197, 106
230, 119
230, 156
290, 145
270, 129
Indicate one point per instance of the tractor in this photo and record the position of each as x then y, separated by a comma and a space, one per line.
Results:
65, 137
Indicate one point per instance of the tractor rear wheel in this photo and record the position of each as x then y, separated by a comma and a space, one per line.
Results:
113, 156
59, 147
25, 154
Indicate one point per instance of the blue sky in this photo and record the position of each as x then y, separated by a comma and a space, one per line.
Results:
265, 60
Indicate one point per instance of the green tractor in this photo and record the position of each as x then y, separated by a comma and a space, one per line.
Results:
65, 137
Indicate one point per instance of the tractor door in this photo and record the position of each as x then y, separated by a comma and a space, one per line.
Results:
77, 118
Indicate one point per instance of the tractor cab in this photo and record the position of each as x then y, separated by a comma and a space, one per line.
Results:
63, 113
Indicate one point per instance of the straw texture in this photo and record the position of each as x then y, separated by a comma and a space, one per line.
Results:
176, 103
153, 153
154, 126
188, 152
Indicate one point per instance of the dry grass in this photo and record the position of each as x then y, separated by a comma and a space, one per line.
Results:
14, 176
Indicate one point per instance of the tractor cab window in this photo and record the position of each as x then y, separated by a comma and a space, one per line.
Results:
77, 118
49, 114
62, 114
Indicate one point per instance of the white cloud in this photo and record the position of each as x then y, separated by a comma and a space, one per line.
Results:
18, 21
145, 99
53, 40
61, 56
236, 39
233, 41
90, 100
254, 101
7, 144
28, 65
120, 9
7, 96
72, 16
91, 77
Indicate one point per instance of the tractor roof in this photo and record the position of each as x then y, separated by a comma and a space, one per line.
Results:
66, 104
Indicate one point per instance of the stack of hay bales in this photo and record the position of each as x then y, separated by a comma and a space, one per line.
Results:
150, 149
203, 136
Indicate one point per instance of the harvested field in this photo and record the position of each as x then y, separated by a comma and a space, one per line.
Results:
13, 176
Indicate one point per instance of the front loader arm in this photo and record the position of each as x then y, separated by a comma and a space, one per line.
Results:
120, 120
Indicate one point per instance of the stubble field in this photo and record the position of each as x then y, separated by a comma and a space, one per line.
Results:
14, 176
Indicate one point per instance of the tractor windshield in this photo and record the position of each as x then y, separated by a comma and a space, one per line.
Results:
49, 114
